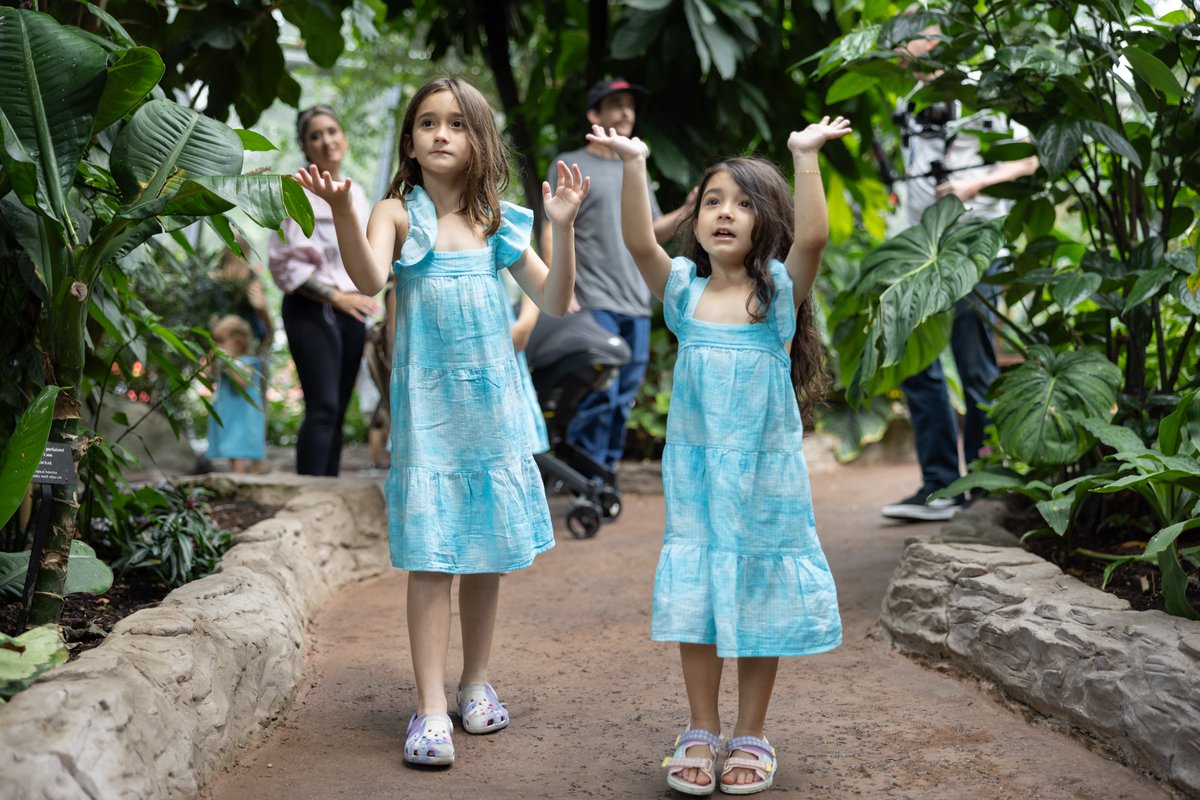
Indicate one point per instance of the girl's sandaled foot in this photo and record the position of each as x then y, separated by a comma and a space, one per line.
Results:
681, 765
429, 741
480, 710
748, 754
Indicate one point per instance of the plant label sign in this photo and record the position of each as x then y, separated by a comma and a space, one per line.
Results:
56, 466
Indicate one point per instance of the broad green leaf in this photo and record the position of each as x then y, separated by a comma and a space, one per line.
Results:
1174, 585
1168, 535
1147, 286
1114, 141
260, 196
51, 80
1041, 404
849, 85
988, 481
926, 270
23, 658
1172, 427
133, 77
1074, 289
1116, 437
1188, 297
119, 34
165, 144
1058, 143
1057, 512
252, 140
24, 451
1154, 72
86, 574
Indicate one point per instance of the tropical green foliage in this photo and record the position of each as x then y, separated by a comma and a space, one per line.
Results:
92, 170
23, 658
1101, 282
165, 531
85, 572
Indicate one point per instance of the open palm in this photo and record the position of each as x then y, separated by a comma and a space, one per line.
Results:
625, 147
814, 136
562, 205
323, 185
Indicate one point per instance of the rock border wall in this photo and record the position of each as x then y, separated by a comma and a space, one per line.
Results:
175, 691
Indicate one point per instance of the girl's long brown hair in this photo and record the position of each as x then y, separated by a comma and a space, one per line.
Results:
487, 171
771, 239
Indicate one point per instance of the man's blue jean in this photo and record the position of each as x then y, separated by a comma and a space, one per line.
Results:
935, 426
599, 424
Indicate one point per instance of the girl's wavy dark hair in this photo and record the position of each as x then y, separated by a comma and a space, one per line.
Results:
487, 171
771, 238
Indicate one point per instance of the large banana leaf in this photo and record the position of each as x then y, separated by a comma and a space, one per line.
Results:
262, 197
163, 145
135, 74
24, 450
51, 82
1041, 405
924, 271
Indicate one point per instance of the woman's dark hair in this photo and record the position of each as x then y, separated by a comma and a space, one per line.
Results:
306, 116
487, 171
771, 238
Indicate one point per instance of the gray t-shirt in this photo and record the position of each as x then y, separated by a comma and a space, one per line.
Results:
959, 153
606, 278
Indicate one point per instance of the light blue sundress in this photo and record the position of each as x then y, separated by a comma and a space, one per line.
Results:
464, 493
242, 431
741, 566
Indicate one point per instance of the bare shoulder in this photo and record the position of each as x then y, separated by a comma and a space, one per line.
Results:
391, 209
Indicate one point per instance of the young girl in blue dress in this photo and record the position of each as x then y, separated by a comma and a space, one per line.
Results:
464, 493
741, 574
241, 433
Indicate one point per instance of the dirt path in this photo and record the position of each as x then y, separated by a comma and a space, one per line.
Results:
595, 703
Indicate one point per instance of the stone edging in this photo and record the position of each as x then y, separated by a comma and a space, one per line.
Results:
1129, 678
174, 691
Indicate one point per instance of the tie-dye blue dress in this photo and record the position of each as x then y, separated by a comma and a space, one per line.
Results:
464, 493
741, 566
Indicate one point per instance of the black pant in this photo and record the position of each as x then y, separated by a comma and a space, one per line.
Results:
327, 347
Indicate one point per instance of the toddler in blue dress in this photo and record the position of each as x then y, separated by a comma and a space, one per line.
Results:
238, 430
464, 493
741, 574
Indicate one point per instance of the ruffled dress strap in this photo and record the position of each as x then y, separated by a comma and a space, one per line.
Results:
422, 228
782, 316
678, 294
512, 239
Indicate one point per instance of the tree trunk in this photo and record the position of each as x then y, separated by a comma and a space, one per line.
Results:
66, 338
495, 26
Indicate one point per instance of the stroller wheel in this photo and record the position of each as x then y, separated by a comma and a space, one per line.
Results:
610, 505
583, 522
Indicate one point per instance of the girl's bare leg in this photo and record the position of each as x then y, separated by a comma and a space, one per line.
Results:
478, 600
702, 679
756, 681
429, 637
237, 465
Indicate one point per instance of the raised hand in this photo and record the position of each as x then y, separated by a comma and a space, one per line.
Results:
323, 185
814, 136
562, 205
625, 147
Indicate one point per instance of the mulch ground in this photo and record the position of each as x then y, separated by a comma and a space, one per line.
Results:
87, 619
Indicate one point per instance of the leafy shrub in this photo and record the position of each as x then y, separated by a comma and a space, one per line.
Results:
165, 530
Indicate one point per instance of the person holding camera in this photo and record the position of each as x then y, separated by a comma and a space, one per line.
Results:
941, 154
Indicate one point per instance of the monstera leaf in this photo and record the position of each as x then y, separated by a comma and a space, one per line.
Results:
51, 82
925, 270
1041, 405
910, 285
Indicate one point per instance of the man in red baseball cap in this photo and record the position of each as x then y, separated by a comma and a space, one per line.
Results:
607, 282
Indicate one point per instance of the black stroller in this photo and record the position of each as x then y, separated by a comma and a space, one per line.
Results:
568, 358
